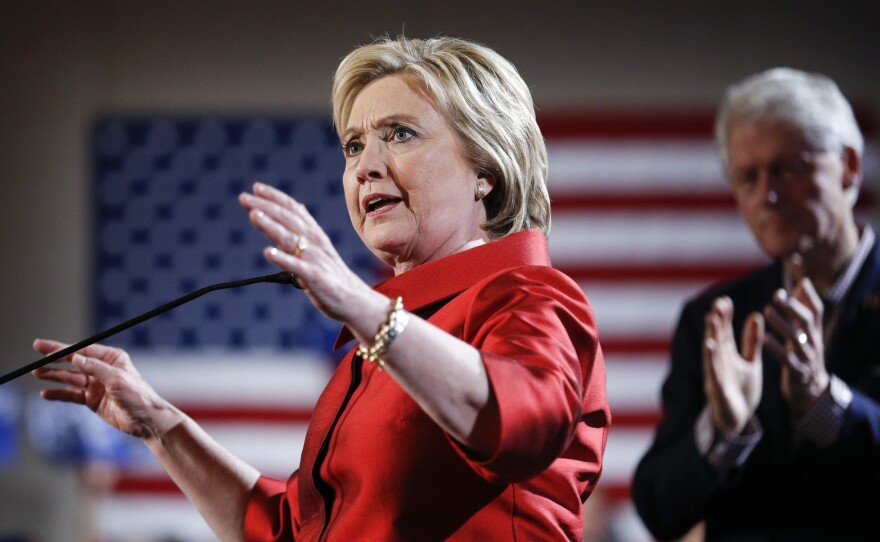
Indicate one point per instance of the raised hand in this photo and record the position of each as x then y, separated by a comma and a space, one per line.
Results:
797, 344
105, 380
303, 248
732, 382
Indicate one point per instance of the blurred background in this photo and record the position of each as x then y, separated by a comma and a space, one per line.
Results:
128, 127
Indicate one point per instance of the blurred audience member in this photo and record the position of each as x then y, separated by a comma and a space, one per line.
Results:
776, 435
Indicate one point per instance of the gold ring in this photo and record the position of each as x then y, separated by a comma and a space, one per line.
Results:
301, 245
802, 337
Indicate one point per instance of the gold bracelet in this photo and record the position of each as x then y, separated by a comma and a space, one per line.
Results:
393, 326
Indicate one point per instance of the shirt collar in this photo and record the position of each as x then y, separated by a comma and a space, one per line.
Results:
846, 279
444, 278
837, 292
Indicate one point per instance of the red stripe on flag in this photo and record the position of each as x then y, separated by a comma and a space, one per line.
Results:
614, 491
657, 272
643, 201
694, 124
661, 201
635, 346
232, 412
160, 484
634, 420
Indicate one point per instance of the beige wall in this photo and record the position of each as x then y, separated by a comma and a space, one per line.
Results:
64, 63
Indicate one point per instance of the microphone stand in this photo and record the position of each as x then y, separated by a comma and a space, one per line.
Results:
281, 278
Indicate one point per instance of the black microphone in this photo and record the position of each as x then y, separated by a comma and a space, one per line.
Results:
280, 278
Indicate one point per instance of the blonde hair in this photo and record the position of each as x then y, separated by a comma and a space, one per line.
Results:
486, 102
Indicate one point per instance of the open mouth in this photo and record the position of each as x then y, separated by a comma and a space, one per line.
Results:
379, 202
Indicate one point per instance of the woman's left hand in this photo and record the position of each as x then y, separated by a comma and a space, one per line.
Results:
303, 249
798, 346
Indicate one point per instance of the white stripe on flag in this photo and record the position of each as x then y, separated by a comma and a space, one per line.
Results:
637, 238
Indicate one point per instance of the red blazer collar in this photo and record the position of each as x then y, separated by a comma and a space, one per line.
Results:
449, 276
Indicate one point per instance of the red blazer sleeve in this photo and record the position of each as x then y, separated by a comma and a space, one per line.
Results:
272, 511
537, 336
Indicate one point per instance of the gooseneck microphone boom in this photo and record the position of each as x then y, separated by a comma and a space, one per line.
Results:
281, 278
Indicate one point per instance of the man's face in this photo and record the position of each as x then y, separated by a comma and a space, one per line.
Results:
791, 195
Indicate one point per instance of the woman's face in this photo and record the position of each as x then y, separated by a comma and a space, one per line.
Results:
408, 188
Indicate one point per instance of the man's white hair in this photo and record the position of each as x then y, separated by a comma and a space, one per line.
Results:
809, 102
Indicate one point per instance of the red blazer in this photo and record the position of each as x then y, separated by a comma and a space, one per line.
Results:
375, 467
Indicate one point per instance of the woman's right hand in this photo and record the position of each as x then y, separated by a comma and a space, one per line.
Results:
105, 380
330, 284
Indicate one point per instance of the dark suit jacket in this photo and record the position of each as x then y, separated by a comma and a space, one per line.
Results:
788, 489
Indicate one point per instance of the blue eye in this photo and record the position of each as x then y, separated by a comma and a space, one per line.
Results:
401, 133
352, 148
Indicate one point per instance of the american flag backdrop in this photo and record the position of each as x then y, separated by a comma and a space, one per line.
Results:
642, 219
